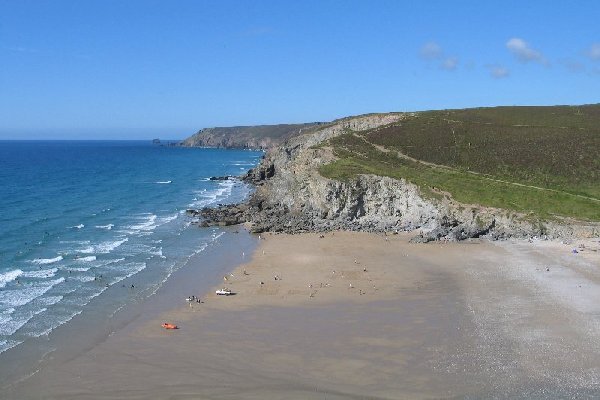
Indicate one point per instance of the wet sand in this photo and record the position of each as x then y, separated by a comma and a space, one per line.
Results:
356, 315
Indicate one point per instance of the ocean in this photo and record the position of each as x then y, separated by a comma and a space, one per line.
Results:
80, 217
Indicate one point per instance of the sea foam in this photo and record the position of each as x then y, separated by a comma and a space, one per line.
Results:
107, 227
43, 261
9, 277
86, 259
20, 297
42, 273
104, 247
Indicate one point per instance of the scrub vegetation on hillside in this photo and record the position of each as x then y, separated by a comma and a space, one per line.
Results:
541, 160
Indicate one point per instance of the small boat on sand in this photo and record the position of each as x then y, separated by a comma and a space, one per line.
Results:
224, 292
167, 325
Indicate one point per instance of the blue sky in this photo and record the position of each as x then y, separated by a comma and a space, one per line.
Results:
142, 69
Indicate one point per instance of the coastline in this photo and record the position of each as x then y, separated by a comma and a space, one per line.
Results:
99, 322
443, 320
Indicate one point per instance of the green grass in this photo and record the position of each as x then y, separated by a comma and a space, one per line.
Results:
357, 157
553, 147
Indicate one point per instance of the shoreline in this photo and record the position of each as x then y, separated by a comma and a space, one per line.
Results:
438, 320
98, 323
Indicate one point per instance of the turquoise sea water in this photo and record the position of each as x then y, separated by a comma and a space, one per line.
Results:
78, 217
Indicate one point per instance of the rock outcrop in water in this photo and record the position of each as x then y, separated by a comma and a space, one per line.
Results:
291, 196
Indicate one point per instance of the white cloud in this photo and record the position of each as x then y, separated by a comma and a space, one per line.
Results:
594, 52
431, 51
498, 71
524, 52
450, 63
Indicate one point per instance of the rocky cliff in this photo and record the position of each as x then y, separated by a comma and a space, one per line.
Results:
252, 137
291, 196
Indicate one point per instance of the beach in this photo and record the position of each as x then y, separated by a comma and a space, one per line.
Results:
358, 315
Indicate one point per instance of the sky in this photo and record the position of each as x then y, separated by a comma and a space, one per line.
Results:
104, 69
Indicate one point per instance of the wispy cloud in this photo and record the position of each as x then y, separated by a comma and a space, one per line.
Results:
498, 71
450, 63
594, 52
524, 52
431, 51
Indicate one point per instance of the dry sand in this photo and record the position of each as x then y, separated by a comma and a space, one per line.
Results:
355, 315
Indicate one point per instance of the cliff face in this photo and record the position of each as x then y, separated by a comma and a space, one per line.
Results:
252, 137
291, 196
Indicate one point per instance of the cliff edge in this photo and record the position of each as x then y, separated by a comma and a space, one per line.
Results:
295, 191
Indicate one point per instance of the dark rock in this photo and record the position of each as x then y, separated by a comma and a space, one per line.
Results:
266, 170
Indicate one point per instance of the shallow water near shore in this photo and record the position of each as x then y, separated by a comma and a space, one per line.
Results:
91, 227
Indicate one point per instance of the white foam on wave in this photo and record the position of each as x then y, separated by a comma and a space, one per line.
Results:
135, 267
16, 322
86, 259
148, 223
104, 263
129, 269
51, 300
158, 252
8, 344
84, 278
98, 264
20, 297
44, 261
199, 250
216, 236
78, 269
80, 226
9, 276
173, 268
205, 198
104, 247
42, 273
107, 227
168, 218
5, 315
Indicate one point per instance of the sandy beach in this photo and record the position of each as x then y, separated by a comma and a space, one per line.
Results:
357, 315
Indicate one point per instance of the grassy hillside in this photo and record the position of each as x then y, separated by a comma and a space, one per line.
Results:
544, 160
